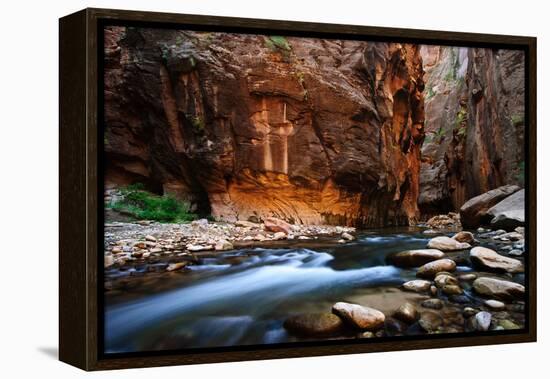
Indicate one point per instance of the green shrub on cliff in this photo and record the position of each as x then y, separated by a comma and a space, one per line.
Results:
144, 205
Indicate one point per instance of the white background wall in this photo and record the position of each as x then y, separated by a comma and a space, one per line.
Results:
28, 201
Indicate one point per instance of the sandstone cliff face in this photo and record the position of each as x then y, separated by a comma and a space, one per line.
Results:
474, 124
246, 126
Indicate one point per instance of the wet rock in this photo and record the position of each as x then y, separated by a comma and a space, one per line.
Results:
433, 290
417, 285
501, 289
394, 326
406, 313
431, 232
429, 270
508, 325
459, 299
474, 212
150, 238
314, 324
348, 236
415, 258
515, 252
443, 279
275, 225
467, 277
509, 213
430, 321
444, 243
483, 321
176, 266
464, 237
468, 312
367, 335
490, 259
451, 290
359, 316
223, 245
511, 236
192, 247
495, 305
432, 303
108, 261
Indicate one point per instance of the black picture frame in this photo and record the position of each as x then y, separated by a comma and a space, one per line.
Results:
81, 188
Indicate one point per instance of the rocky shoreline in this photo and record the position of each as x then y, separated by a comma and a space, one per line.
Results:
487, 296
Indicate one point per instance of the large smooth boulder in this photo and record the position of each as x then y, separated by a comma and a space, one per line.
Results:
444, 243
314, 324
429, 270
501, 289
491, 260
359, 316
509, 213
275, 225
415, 258
474, 212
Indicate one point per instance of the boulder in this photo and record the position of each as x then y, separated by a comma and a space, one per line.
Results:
429, 270
509, 213
444, 243
497, 288
417, 285
275, 225
491, 260
464, 236
359, 316
314, 324
415, 258
473, 213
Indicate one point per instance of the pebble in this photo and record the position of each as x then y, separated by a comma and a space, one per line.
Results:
348, 236
495, 305
469, 312
150, 238
483, 321
432, 303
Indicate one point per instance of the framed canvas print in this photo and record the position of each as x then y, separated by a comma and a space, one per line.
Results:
238, 189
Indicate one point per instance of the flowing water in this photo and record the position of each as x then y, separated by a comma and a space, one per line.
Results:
243, 296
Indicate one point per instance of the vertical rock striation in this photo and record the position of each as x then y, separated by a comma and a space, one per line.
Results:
248, 126
474, 124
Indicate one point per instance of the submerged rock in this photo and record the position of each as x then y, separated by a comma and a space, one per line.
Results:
359, 316
314, 324
430, 321
432, 303
406, 313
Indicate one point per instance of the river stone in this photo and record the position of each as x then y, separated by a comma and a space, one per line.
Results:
490, 259
429, 270
417, 285
223, 245
501, 289
508, 325
348, 236
468, 312
275, 225
176, 266
150, 238
464, 237
432, 304
430, 321
443, 279
314, 324
474, 211
467, 277
108, 261
483, 321
359, 316
444, 243
509, 213
495, 304
451, 289
415, 258
394, 326
406, 313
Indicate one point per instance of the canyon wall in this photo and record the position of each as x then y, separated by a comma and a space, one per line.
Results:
474, 106
248, 126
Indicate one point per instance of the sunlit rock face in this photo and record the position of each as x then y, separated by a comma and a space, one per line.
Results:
247, 126
474, 106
